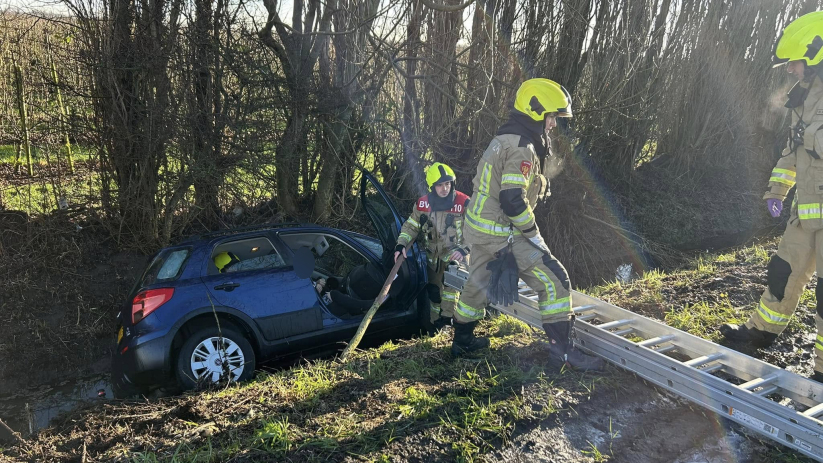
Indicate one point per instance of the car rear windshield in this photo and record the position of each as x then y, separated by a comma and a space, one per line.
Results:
167, 266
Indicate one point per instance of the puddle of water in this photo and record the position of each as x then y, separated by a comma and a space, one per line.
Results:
29, 410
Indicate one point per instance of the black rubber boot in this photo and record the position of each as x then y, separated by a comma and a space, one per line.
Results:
817, 376
562, 348
753, 336
465, 341
441, 323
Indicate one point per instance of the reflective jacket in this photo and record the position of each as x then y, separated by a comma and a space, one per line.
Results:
801, 163
508, 184
442, 231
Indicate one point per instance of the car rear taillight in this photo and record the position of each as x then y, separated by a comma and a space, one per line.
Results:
147, 302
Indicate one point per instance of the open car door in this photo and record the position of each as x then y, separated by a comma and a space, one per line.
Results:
384, 216
387, 222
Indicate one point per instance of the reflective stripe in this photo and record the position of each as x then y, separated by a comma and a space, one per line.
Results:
404, 235
784, 176
809, 211
770, 316
523, 218
413, 222
468, 312
818, 344
448, 296
478, 205
484, 179
560, 305
548, 283
488, 227
514, 179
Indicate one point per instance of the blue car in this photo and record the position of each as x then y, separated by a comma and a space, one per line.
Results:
186, 323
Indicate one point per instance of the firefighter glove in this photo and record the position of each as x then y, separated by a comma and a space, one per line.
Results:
503, 279
775, 206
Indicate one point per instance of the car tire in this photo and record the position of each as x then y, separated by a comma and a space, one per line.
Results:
200, 360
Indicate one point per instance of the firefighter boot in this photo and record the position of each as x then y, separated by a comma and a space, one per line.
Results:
441, 323
742, 334
464, 339
562, 348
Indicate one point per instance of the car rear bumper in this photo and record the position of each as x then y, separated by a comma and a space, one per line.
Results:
140, 367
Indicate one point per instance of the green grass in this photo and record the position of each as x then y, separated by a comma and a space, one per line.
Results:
463, 409
703, 318
325, 409
276, 435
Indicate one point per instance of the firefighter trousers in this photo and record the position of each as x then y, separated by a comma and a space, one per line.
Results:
798, 253
540, 270
444, 299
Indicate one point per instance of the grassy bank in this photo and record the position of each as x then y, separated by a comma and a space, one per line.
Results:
409, 401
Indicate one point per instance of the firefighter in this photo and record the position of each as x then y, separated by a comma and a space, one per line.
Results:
501, 229
801, 248
438, 219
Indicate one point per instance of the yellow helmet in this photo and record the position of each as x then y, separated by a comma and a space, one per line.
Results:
439, 173
538, 97
224, 260
802, 39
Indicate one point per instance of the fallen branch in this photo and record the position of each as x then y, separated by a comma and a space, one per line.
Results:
378, 301
9, 435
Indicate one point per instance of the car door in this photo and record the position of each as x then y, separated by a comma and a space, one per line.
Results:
387, 222
281, 303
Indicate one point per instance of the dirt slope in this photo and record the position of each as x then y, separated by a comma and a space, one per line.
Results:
402, 402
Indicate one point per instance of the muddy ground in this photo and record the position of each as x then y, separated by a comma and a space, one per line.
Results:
61, 283
60, 289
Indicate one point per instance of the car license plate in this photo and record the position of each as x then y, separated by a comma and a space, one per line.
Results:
119, 335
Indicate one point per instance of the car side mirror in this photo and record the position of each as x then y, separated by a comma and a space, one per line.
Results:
303, 262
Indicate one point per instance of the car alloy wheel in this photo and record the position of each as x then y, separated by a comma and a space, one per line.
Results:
215, 357
210, 354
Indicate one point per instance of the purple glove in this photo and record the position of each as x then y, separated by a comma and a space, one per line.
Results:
775, 207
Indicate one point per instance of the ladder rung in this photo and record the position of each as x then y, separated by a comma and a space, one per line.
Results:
583, 308
606, 326
712, 368
814, 411
657, 340
766, 391
759, 382
622, 332
586, 317
697, 361
665, 348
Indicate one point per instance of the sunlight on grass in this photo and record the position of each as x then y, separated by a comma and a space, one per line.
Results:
311, 381
726, 258
755, 255
417, 403
701, 319
276, 435
704, 266
506, 325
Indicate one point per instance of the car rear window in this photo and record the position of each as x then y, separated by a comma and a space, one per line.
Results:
167, 266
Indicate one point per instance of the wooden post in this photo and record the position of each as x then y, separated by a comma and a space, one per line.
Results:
378, 301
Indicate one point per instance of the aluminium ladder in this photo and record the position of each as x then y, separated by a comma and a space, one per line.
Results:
745, 390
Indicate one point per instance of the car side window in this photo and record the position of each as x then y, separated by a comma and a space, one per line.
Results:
247, 254
339, 259
167, 266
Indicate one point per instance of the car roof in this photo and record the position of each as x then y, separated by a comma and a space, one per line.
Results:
240, 231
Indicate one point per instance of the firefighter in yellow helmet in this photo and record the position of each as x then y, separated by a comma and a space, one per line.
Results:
800, 251
501, 229
437, 218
